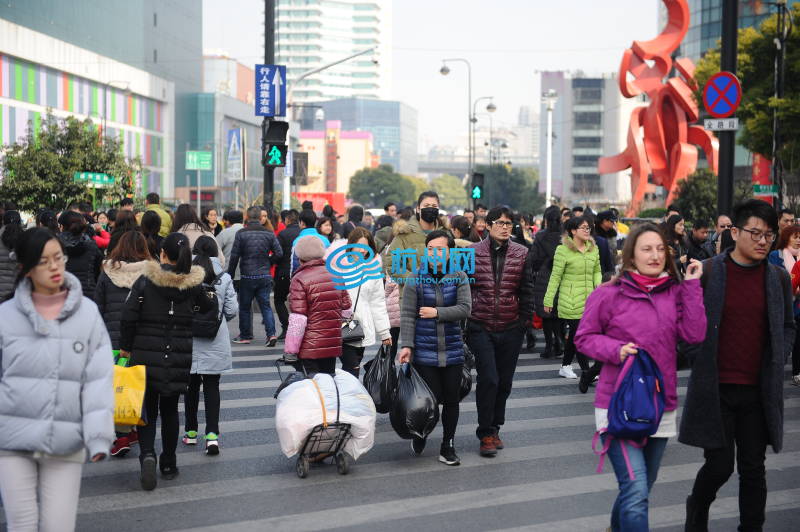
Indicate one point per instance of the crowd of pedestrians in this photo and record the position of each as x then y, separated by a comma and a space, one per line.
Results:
156, 288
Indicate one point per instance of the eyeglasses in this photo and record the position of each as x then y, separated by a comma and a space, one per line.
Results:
502, 223
58, 259
758, 235
585, 228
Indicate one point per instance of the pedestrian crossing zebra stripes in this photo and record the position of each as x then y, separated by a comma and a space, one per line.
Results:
544, 479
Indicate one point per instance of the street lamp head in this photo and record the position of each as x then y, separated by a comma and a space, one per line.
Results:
491, 107
445, 70
319, 115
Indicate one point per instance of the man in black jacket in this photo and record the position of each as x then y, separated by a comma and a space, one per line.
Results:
253, 245
282, 279
734, 401
695, 240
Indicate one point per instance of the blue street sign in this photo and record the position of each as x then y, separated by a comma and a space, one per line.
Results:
270, 90
235, 153
722, 95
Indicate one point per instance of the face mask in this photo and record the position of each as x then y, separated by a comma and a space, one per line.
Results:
429, 214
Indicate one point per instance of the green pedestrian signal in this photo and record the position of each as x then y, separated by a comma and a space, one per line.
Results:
477, 192
275, 157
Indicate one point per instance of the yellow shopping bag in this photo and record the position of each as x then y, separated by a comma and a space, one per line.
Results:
129, 385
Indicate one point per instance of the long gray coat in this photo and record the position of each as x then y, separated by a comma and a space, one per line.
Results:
212, 356
701, 422
56, 376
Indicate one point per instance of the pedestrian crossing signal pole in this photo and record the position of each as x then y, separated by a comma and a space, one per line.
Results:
269, 59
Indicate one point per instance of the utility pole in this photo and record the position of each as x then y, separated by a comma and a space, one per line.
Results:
269, 59
727, 139
780, 55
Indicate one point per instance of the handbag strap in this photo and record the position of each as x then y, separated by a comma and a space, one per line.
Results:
358, 295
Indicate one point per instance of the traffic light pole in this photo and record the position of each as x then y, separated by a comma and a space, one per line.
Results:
269, 59
727, 139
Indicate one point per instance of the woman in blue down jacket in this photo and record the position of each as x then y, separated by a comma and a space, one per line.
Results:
432, 307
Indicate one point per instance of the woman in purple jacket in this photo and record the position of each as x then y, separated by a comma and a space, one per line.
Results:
645, 307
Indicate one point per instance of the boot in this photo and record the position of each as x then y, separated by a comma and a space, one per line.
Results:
547, 328
558, 345
696, 516
531, 338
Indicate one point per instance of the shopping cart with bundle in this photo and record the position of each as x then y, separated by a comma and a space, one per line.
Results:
327, 440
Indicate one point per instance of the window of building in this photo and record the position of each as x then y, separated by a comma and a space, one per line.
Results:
588, 120
585, 161
587, 142
586, 184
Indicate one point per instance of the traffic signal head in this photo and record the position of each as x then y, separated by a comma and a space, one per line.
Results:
476, 190
273, 143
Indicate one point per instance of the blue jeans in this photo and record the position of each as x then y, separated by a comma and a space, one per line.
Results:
630, 512
258, 289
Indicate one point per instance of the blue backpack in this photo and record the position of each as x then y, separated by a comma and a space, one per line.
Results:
636, 407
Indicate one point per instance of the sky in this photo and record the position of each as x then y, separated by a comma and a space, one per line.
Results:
506, 42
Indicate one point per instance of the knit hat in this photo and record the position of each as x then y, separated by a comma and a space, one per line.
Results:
606, 215
308, 248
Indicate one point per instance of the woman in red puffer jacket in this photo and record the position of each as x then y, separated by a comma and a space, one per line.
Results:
315, 324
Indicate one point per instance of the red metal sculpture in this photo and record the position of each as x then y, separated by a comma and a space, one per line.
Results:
661, 142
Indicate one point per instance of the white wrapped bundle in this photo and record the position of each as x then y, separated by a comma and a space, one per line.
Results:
298, 410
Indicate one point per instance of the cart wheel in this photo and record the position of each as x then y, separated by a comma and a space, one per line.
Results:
342, 463
302, 467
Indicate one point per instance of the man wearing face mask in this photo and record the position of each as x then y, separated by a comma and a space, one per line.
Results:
502, 306
411, 234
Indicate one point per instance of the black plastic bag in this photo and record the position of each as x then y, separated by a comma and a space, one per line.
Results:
466, 382
380, 379
415, 411
469, 357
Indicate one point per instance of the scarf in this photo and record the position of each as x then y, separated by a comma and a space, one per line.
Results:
790, 257
649, 283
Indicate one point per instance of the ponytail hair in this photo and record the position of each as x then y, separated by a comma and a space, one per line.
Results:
176, 247
204, 249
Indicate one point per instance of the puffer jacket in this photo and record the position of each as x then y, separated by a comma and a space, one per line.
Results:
502, 295
312, 294
575, 275
8, 269
56, 376
621, 311
157, 324
544, 248
212, 356
252, 245
112, 290
436, 341
194, 231
84, 260
392, 294
370, 311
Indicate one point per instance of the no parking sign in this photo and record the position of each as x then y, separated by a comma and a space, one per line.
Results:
722, 95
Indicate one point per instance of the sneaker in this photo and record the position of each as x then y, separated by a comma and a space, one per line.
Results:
567, 372
418, 445
796, 380
584, 382
447, 454
133, 438
240, 340
498, 443
148, 473
272, 341
121, 447
169, 472
212, 444
488, 447
190, 438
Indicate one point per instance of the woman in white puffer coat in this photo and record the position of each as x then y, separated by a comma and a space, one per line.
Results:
368, 306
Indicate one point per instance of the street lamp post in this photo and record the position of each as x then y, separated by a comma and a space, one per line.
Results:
445, 70
491, 107
549, 98
105, 102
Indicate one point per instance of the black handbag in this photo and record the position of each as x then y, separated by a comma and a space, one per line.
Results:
351, 328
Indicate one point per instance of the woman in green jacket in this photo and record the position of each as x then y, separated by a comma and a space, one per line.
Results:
576, 272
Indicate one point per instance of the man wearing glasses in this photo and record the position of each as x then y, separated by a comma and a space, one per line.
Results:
734, 403
502, 306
